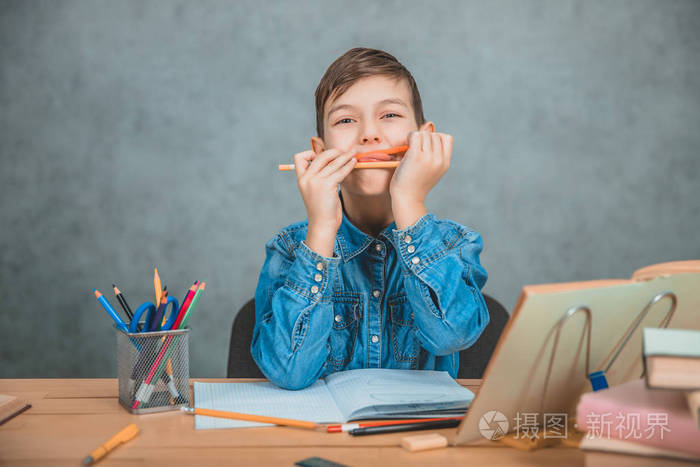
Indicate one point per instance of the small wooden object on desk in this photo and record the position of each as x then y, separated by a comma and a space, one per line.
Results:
423, 442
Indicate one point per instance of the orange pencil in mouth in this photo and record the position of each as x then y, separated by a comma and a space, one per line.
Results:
377, 159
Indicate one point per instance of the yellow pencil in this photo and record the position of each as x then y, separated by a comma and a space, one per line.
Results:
254, 418
123, 436
156, 285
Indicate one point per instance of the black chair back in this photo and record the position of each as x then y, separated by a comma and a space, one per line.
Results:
472, 361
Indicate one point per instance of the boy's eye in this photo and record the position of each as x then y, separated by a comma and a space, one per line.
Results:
390, 114
344, 120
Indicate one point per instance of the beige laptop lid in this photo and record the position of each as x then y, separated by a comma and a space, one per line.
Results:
514, 379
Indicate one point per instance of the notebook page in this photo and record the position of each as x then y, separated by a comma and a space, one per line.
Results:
373, 392
314, 404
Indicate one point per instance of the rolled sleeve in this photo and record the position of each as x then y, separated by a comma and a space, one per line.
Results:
443, 279
292, 317
311, 274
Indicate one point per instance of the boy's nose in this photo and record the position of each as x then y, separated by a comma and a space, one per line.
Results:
370, 135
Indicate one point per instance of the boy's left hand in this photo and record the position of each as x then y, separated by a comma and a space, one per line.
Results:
425, 162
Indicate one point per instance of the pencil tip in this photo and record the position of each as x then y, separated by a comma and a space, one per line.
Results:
88, 460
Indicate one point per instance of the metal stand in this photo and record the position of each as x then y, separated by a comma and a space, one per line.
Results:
598, 379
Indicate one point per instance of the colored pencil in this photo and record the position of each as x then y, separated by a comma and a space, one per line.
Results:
110, 310
185, 321
395, 428
157, 286
359, 165
122, 301
185, 304
253, 418
394, 150
366, 165
158, 316
351, 426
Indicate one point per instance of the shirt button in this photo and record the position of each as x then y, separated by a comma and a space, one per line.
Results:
376, 293
407, 239
314, 289
319, 266
412, 315
338, 318
411, 248
375, 339
378, 247
415, 260
318, 277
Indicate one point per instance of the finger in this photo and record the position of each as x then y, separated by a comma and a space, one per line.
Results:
427, 142
340, 174
447, 144
336, 163
438, 149
301, 162
321, 160
414, 141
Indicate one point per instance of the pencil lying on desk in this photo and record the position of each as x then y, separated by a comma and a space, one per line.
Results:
254, 418
122, 437
365, 165
351, 426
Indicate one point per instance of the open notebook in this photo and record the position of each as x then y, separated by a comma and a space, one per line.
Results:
367, 393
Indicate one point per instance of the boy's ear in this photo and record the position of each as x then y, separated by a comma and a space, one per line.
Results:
427, 126
317, 145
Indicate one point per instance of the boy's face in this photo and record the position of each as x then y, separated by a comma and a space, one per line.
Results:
374, 113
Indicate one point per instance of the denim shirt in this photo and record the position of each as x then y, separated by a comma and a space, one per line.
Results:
409, 299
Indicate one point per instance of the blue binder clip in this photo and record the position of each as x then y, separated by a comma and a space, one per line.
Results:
597, 378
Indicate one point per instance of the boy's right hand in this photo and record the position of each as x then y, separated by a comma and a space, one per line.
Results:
318, 176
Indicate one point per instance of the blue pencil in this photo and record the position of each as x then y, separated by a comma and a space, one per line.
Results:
112, 312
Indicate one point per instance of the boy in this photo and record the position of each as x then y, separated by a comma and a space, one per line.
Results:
370, 280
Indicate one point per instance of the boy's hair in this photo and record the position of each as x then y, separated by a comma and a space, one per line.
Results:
360, 63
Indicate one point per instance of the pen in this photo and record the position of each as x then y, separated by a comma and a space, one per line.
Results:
374, 430
112, 312
351, 426
122, 301
123, 436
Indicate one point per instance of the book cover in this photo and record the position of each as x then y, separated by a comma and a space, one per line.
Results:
632, 412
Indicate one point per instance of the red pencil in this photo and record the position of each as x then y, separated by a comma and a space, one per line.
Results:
185, 305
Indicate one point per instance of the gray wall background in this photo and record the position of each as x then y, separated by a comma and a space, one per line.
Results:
135, 134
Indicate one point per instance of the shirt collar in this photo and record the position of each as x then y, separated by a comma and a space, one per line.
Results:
351, 241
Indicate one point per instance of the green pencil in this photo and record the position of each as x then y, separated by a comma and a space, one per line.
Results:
192, 306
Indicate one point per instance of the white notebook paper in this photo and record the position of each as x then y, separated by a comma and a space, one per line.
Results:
367, 393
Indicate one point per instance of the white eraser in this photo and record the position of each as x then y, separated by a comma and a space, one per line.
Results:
423, 442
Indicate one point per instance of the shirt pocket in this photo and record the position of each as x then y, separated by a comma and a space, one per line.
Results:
346, 319
404, 342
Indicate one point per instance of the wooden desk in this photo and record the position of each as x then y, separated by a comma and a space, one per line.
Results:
70, 417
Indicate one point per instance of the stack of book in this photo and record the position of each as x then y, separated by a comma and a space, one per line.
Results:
655, 416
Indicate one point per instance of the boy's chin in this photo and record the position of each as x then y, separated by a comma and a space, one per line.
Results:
368, 182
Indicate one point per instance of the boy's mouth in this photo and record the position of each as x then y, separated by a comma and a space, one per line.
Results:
379, 157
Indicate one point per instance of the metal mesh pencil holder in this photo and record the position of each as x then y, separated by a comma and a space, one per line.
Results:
153, 370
